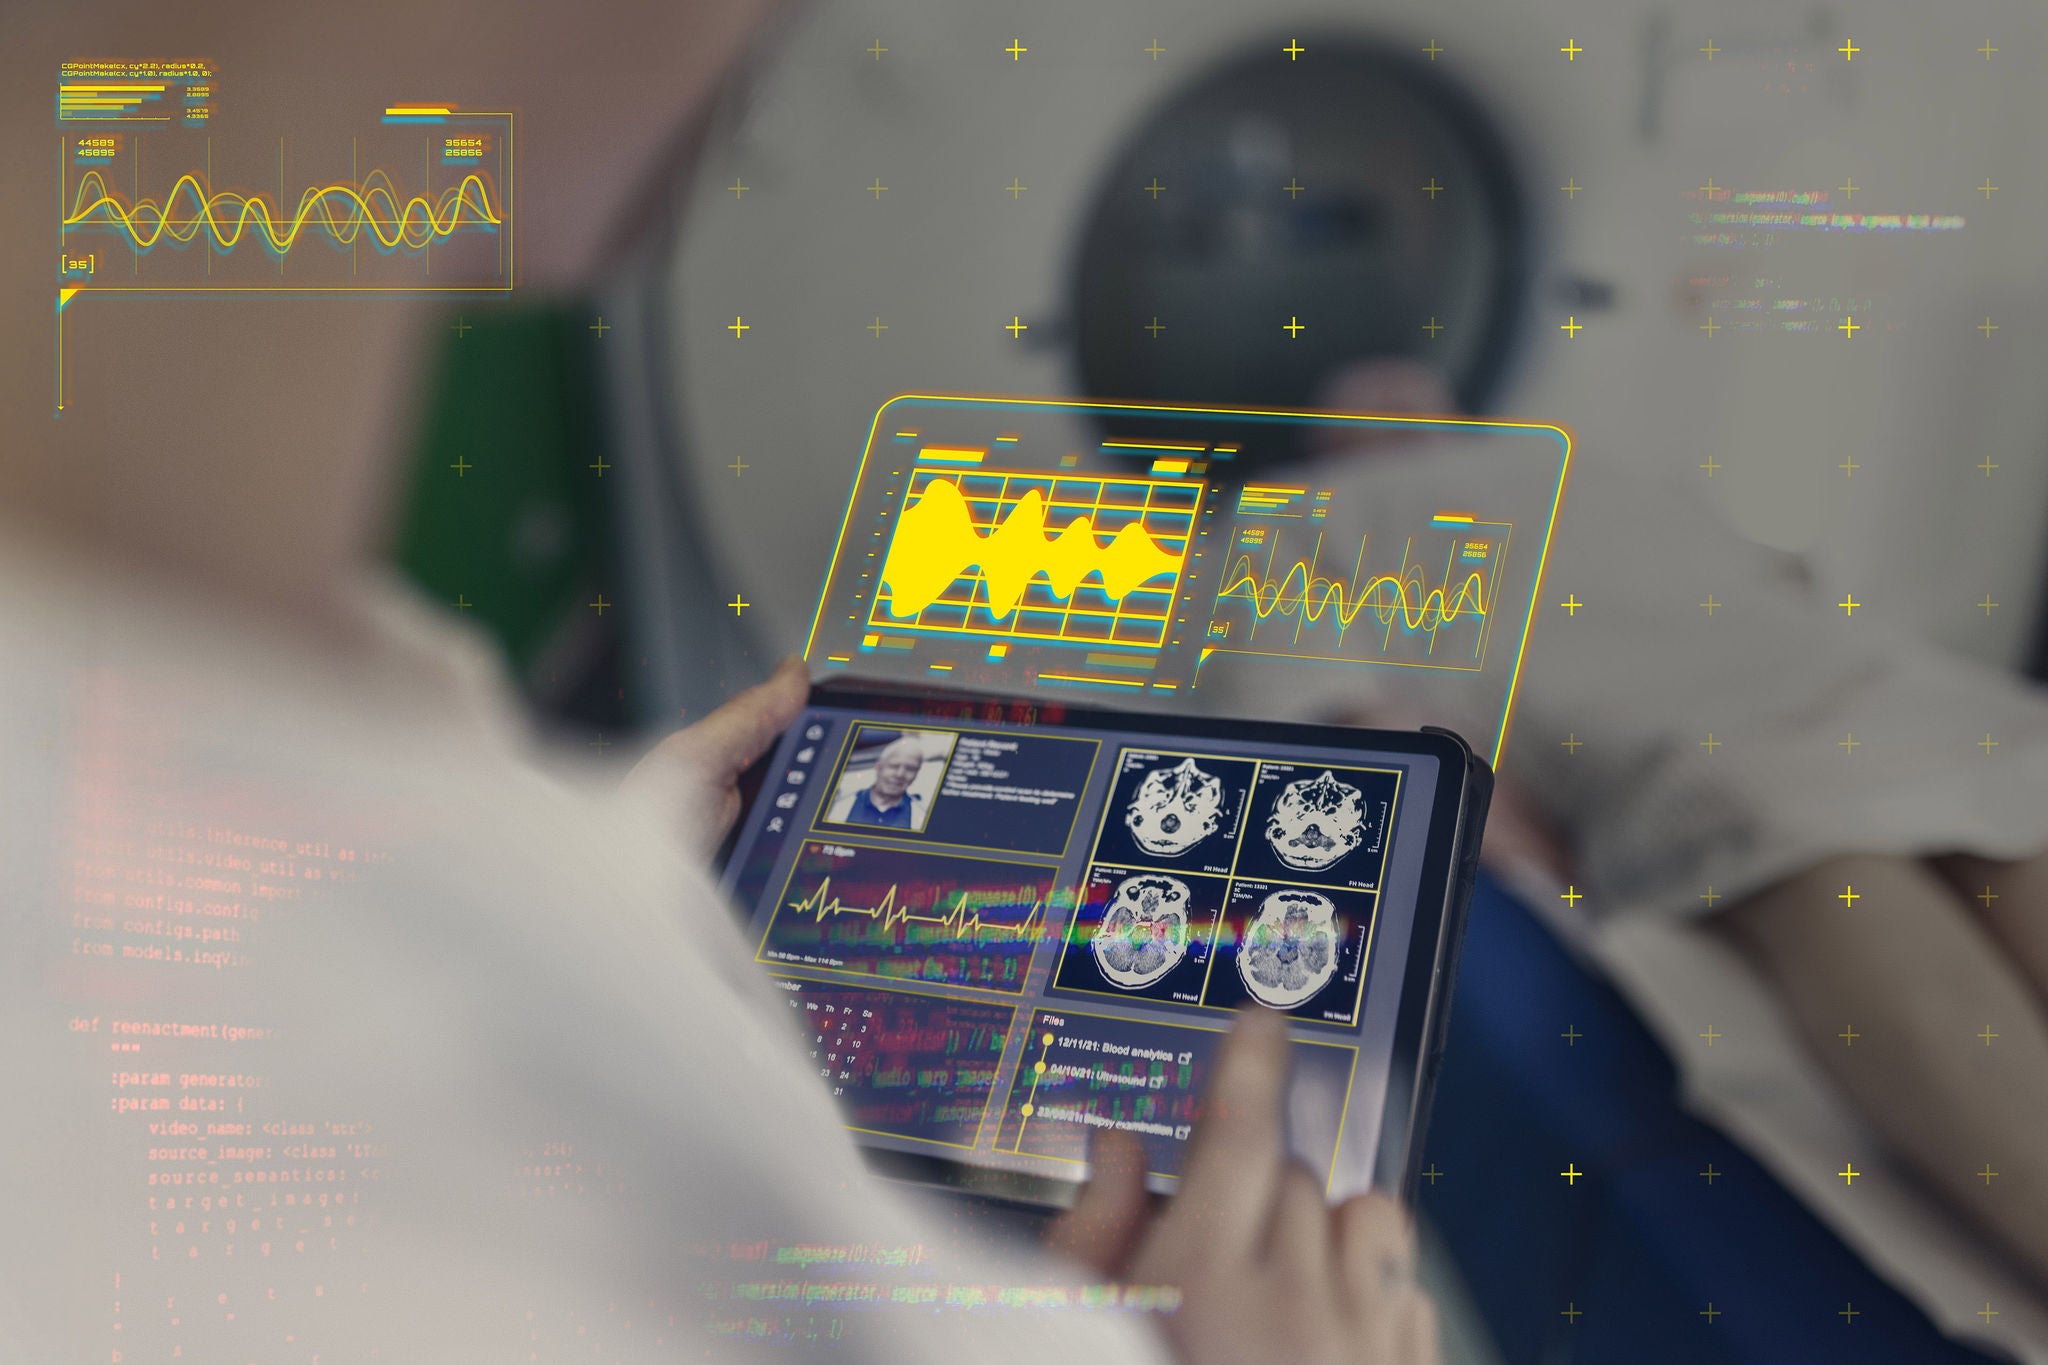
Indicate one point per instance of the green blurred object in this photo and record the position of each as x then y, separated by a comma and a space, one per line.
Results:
505, 517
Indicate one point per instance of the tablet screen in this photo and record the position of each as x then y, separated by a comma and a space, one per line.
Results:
1000, 938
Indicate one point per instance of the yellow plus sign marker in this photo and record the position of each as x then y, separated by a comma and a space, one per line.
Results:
1849, 326
1848, 49
599, 605
1571, 49
1432, 327
1432, 49
878, 327
1987, 604
1987, 1035
1294, 327
1849, 604
1849, 1313
1573, 1312
1710, 327
1571, 327
1710, 896
1571, 744
739, 327
1987, 327
1294, 187
1987, 1174
1986, 466
1710, 604
1848, 896
1849, 190
1433, 189
1849, 1173
1987, 744
1016, 50
1710, 189
1710, 1035
1155, 327
1294, 49
1153, 188
1849, 745
1571, 605
1711, 465
1016, 326
1849, 1036
1710, 49
1710, 743
1987, 49
878, 49
1988, 188
1571, 1173
1710, 1312
1432, 1174
461, 328
1987, 1312
878, 189
1570, 896
739, 188
1155, 49
1987, 895
1016, 188
462, 466
1849, 467
738, 604
600, 327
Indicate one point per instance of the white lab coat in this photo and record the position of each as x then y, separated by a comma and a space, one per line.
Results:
519, 1091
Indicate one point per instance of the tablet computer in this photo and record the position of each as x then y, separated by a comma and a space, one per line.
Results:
1005, 924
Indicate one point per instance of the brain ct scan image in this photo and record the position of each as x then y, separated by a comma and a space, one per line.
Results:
1289, 951
1175, 809
1144, 930
1315, 822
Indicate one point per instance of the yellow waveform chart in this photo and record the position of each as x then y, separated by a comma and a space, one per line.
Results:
375, 212
1089, 560
1433, 610
922, 916
960, 921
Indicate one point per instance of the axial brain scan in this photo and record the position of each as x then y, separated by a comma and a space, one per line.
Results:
1315, 822
1290, 951
1175, 809
1144, 930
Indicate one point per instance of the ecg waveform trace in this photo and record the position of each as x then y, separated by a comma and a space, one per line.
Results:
343, 212
961, 923
910, 915
1403, 601
970, 554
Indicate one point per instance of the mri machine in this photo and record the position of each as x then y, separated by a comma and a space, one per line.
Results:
893, 201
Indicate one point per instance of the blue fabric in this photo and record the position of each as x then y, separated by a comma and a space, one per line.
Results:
864, 811
1641, 1243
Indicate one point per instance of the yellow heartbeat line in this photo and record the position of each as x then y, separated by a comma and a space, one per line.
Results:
960, 922
936, 543
1318, 593
437, 219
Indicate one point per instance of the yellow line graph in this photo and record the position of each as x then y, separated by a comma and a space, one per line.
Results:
1318, 593
959, 923
936, 543
344, 210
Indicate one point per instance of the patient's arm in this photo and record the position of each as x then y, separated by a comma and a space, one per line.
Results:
1909, 969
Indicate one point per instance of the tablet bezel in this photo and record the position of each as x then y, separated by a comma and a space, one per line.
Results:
1450, 863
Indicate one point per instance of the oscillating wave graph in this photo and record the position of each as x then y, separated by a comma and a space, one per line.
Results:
960, 923
1393, 600
924, 916
937, 543
342, 211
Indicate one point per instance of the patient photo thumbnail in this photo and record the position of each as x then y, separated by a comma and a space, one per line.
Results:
891, 777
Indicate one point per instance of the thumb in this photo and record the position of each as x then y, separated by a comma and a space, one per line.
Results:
1103, 1227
